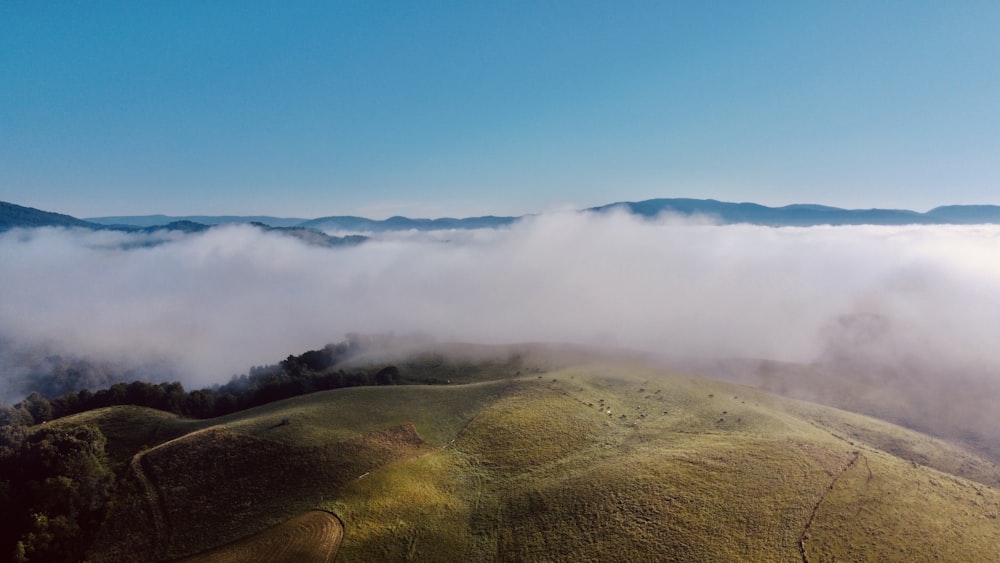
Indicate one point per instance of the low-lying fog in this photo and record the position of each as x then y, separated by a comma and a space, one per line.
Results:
218, 302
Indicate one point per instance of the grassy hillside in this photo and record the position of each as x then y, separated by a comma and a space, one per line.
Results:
131, 429
606, 462
957, 406
438, 412
719, 476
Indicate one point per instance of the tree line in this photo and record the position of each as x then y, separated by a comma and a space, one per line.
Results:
296, 375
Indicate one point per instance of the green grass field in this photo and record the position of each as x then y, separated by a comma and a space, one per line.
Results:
603, 462
131, 429
437, 411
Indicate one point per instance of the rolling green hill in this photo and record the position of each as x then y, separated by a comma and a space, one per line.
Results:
603, 461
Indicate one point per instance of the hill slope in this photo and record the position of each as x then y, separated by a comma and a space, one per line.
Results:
971, 214
13, 216
605, 462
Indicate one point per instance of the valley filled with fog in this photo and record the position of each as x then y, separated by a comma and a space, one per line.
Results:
212, 304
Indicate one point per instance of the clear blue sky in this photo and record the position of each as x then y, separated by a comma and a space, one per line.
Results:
458, 108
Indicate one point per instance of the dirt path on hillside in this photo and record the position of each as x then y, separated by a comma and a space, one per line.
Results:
806, 531
157, 510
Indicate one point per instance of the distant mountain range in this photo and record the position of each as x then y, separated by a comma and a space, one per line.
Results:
805, 215
159, 220
12, 216
16, 216
343, 223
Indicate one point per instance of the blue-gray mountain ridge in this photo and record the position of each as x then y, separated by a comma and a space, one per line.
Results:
12, 216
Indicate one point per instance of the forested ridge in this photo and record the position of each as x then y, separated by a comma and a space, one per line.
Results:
296, 375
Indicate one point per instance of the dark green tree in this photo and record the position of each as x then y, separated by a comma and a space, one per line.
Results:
38, 407
57, 485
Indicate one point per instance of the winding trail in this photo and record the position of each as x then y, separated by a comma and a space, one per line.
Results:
157, 509
152, 499
805, 532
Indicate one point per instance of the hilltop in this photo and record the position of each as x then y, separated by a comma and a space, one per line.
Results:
559, 459
14, 216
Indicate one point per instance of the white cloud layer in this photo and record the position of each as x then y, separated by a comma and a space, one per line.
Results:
232, 297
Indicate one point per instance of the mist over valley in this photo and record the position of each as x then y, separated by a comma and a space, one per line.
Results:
874, 315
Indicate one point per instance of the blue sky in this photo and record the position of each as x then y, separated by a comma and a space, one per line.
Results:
447, 108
